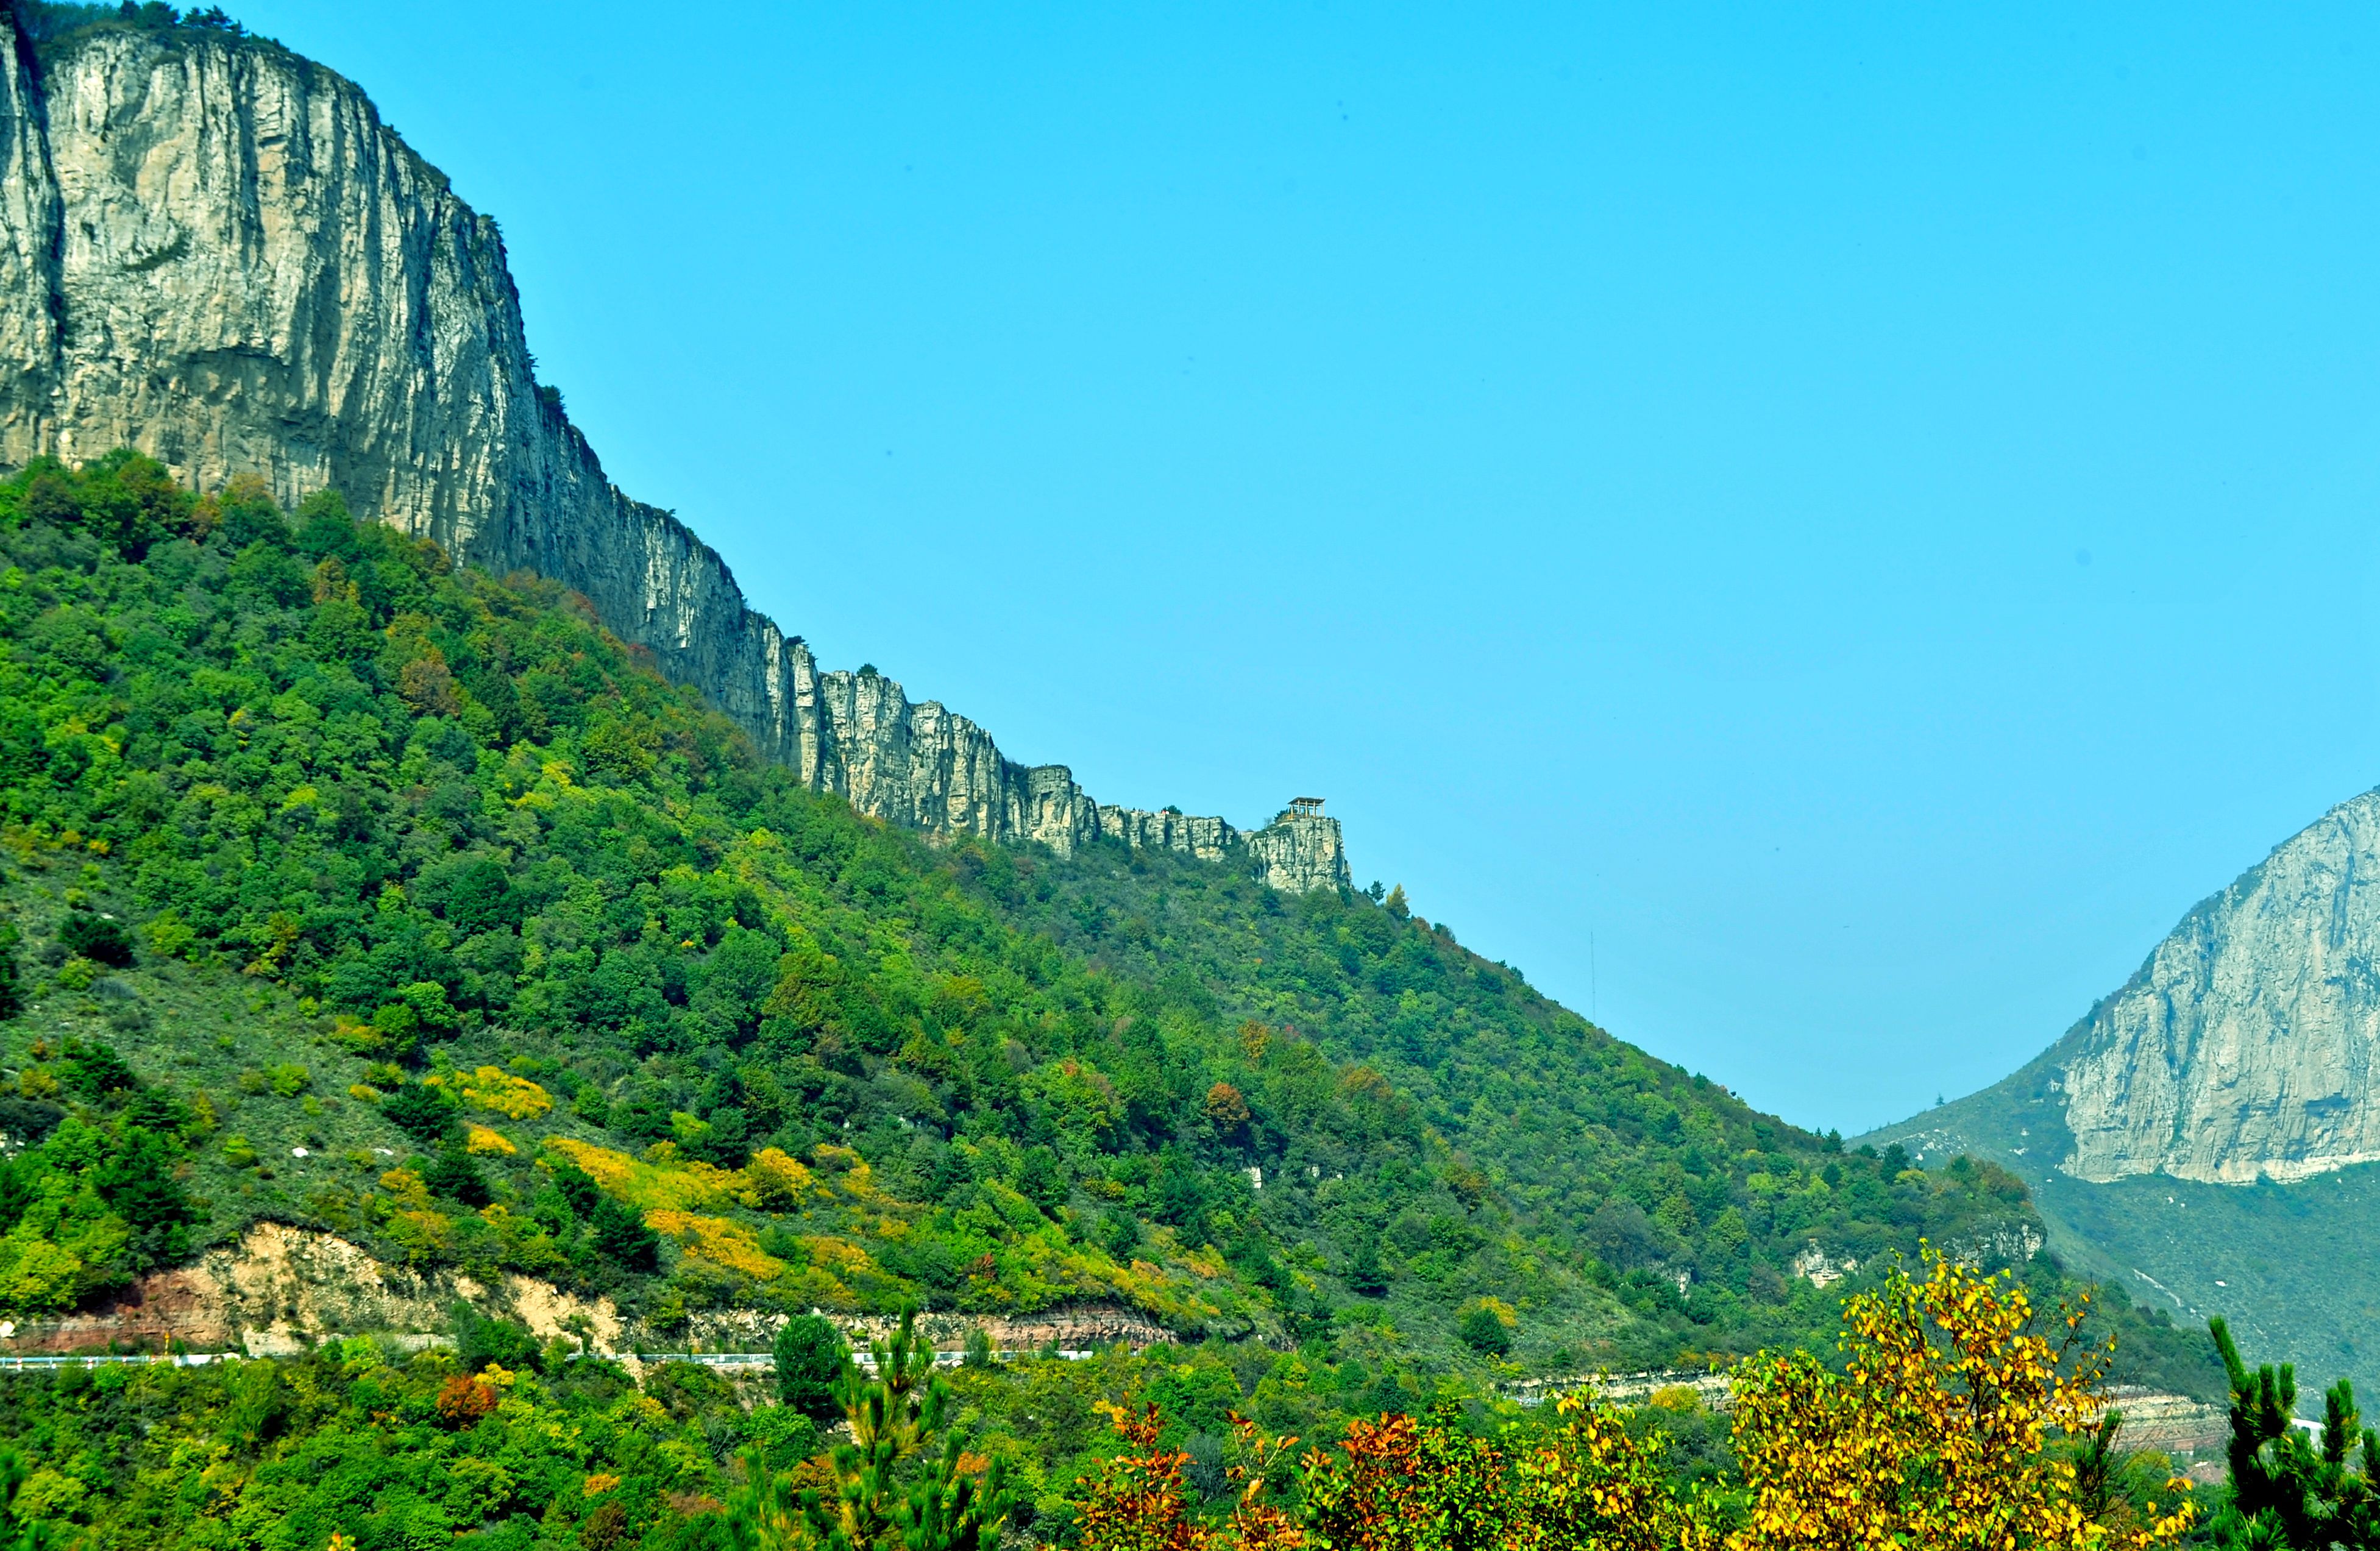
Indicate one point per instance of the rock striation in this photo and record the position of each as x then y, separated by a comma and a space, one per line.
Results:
214, 251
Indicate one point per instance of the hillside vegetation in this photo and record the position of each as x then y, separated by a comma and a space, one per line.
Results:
316, 842
1957, 1417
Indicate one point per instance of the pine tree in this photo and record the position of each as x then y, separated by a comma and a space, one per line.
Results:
12, 993
1482, 1331
880, 1497
810, 1361
2284, 1492
1365, 1275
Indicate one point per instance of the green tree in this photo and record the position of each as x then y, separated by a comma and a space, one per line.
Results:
1365, 1275
2284, 1490
1482, 1331
452, 1173
12, 995
621, 1236
88, 934
17, 1532
810, 1361
893, 1486
417, 1110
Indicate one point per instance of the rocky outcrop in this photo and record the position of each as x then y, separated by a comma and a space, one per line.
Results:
2249, 1044
1298, 852
2157, 1419
1710, 1390
1818, 1269
1081, 1327
281, 1291
214, 251
2165, 1423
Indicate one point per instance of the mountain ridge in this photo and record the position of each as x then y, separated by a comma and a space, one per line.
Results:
217, 253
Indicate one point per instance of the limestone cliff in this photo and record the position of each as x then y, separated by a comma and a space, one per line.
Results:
214, 251
2249, 1043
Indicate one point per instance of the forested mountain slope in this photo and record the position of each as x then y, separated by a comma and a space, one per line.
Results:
315, 841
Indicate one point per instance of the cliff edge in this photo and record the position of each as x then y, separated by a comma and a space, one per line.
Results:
214, 251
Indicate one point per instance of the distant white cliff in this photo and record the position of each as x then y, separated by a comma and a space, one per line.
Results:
2247, 1045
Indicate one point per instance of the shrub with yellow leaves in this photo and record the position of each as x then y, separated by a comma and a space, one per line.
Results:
492, 1087
778, 1182
1935, 1431
1595, 1484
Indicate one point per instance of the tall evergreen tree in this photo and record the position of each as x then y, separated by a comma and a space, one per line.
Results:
2285, 1490
810, 1361
904, 1478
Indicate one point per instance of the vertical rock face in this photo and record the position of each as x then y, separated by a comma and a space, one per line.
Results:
2249, 1044
214, 251
1300, 852
2241, 1054
28, 240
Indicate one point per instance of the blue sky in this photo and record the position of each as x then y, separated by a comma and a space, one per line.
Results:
1815, 532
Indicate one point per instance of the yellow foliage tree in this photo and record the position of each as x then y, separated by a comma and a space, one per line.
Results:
1594, 1487
1933, 1435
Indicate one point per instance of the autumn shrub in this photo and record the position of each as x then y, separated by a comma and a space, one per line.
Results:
1140, 1501
1936, 1431
464, 1400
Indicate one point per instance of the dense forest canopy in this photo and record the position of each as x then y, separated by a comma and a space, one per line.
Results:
349, 888
503, 903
